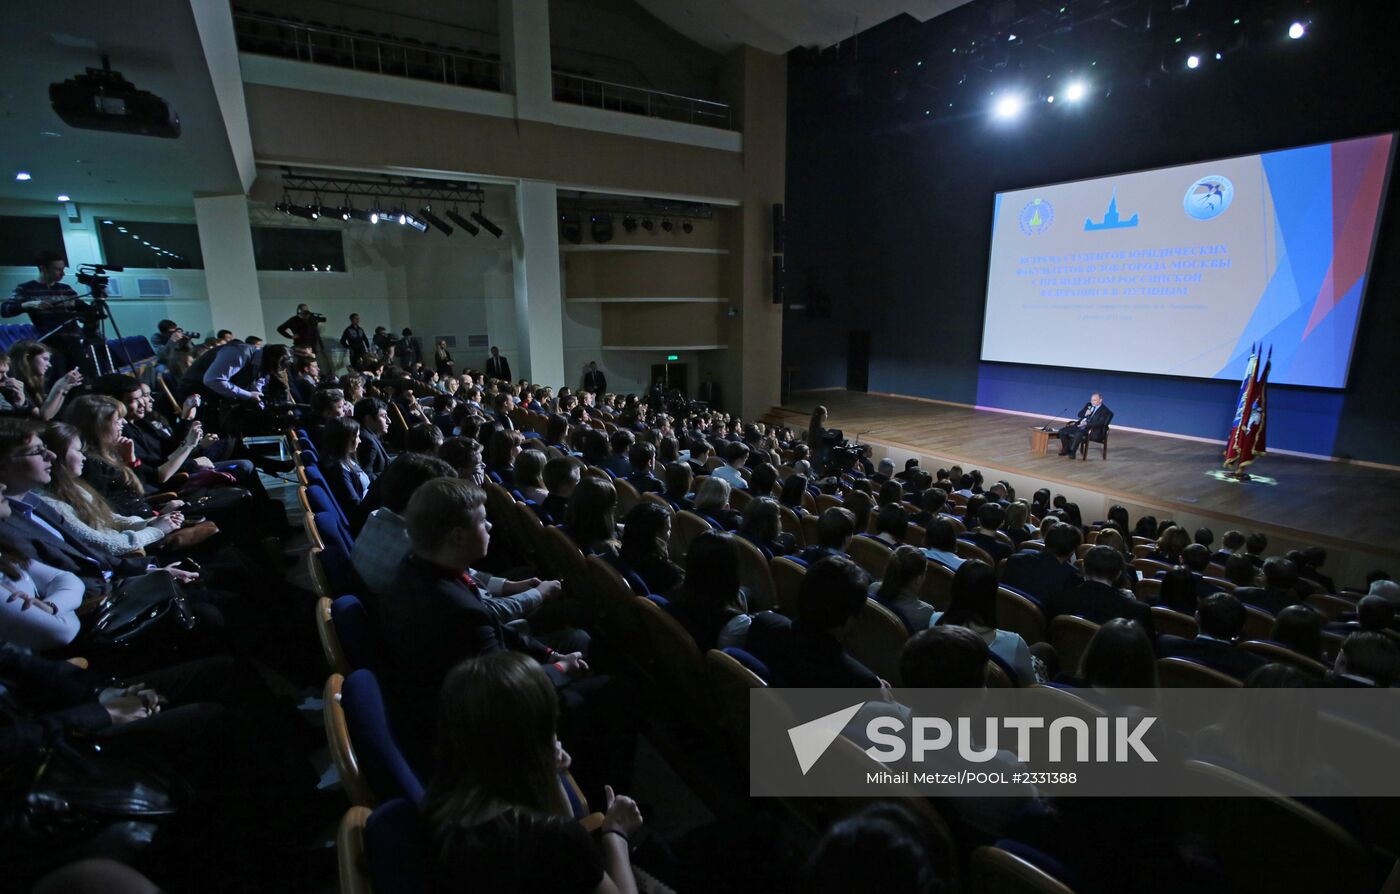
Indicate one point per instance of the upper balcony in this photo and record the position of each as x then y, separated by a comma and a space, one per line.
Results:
481, 68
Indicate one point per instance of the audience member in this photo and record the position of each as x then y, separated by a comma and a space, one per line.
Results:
973, 604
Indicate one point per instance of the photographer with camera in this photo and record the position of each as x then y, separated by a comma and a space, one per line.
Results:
174, 346
304, 329
53, 308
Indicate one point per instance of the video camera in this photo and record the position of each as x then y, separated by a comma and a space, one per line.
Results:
319, 318
95, 277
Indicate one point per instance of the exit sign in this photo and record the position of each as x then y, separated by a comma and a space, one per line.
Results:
673, 356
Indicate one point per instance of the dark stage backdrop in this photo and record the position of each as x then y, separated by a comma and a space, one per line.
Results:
889, 215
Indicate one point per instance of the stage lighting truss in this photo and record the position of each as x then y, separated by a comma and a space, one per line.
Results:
389, 200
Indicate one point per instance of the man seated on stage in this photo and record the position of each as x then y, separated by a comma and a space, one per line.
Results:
1093, 415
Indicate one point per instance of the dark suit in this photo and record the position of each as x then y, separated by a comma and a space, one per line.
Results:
345, 485
498, 367
1098, 602
33, 541
991, 545
796, 657
646, 483
1091, 421
595, 381
1215, 654
1271, 599
373, 458
1039, 573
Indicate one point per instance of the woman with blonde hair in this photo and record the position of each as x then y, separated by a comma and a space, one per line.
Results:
86, 515
495, 806
110, 455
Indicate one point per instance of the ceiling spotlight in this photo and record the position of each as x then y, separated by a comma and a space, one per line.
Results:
315, 211
343, 212
667, 225
648, 224
486, 224
123, 229
410, 220
1008, 107
573, 232
1297, 30
629, 223
1075, 91
471, 228
602, 229
1050, 99
426, 212
687, 227
305, 212
1193, 61
363, 214
107, 222
23, 175
63, 197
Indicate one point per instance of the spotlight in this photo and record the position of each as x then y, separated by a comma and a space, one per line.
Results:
629, 223
315, 210
23, 175
667, 225
63, 197
687, 227
1193, 61
343, 212
410, 220
1050, 99
572, 230
648, 224
1297, 30
375, 216
363, 214
486, 224
305, 212
426, 212
471, 228
1075, 91
282, 207
1008, 107
602, 229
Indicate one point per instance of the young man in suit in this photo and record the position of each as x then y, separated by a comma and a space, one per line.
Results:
642, 456
1220, 618
1097, 597
373, 416
1093, 414
497, 367
1041, 573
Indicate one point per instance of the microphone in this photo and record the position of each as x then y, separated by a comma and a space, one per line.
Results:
1052, 419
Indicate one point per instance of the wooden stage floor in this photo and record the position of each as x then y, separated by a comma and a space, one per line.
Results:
1338, 505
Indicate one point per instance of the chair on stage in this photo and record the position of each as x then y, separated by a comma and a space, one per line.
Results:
1099, 435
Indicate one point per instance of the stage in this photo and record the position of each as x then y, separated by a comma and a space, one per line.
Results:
1347, 508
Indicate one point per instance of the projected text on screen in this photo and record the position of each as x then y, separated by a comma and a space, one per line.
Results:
1177, 271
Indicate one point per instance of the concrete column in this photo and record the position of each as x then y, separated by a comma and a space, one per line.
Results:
231, 276
539, 298
525, 48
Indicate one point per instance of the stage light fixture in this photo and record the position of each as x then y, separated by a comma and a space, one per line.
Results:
1050, 99
629, 223
363, 214
471, 228
648, 224
344, 212
375, 216
63, 197
486, 224
1008, 107
667, 225
305, 212
602, 227
573, 231
1075, 91
1193, 62
687, 227
23, 175
282, 207
1297, 30
426, 212
413, 221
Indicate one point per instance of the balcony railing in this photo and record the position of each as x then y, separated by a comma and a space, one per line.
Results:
585, 91
363, 50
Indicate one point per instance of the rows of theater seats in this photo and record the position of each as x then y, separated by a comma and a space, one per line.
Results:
380, 842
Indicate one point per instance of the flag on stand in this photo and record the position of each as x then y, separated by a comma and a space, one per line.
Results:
1248, 435
1242, 409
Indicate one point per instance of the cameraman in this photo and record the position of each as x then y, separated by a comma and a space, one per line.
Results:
303, 329
52, 306
174, 346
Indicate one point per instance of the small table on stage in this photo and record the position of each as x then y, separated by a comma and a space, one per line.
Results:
1040, 440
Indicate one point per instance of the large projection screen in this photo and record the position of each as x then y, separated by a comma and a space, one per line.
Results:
1178, 271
